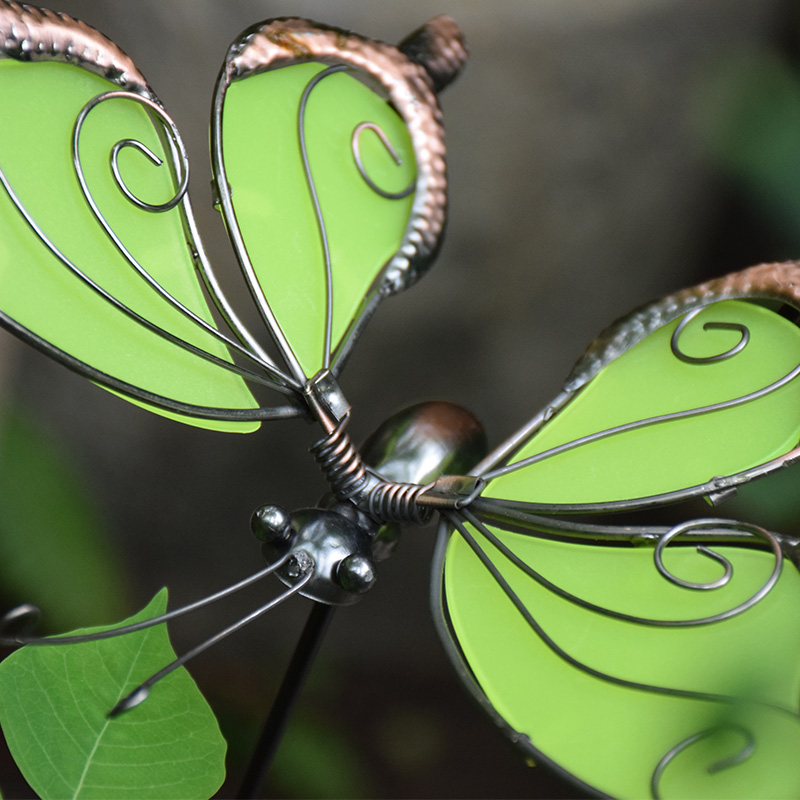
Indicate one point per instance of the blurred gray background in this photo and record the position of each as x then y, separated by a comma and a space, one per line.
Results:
580, 188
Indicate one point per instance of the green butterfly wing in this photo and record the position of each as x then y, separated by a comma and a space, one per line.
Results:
607, 700
570, 641
88, 272
328, 153
678, 411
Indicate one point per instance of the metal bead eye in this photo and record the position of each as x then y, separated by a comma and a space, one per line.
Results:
356, 574
272, 524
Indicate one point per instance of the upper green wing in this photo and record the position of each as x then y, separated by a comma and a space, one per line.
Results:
655, 412
98, 258
328, 152
328, 155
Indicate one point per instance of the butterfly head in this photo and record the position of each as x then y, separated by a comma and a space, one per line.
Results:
334, 543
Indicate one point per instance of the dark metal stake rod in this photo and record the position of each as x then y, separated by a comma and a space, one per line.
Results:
293, 680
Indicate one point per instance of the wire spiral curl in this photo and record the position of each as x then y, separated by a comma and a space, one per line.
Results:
743, 330
737, 758
178, 162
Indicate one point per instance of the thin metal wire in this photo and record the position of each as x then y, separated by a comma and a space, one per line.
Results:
644, 423
237, 240
355, 144
140, 693
205, 269
663, 540
350, 479
456, 523
444, 626
130, 390
212, 285
321, 227
312, 190
507, 448
397, 502
340, 461
517, 517
129, 312
278, 377
738, 758
32, 612
721, 326
716, 485
521, 437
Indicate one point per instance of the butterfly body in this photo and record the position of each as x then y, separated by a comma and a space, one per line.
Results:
346, 535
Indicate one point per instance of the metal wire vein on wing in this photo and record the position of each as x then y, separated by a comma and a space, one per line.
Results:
644, 423
180, 170
224, 196
458, 522
203, 263
327, 349
312, 189
328, 346
744, 533
488, 469
130, 390
144, 322
248, 348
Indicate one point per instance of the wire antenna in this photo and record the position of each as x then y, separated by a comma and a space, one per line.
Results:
141, 692
26, 615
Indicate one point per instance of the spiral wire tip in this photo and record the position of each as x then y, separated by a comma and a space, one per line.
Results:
16, 625
132, 700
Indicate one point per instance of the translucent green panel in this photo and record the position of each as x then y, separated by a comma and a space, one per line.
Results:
611, 736
274, 208
39, 292
648, 380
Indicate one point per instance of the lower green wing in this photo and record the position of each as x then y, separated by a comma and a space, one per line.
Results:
626, 708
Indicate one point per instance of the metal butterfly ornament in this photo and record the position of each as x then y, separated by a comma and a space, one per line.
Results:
637, 660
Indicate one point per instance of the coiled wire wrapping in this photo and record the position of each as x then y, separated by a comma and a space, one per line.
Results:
397, 502
384, 501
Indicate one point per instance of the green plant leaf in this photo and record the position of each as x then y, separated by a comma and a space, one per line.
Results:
53, 553
53, 706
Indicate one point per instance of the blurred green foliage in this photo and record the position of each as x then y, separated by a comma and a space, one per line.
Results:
54, 550
747, 110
